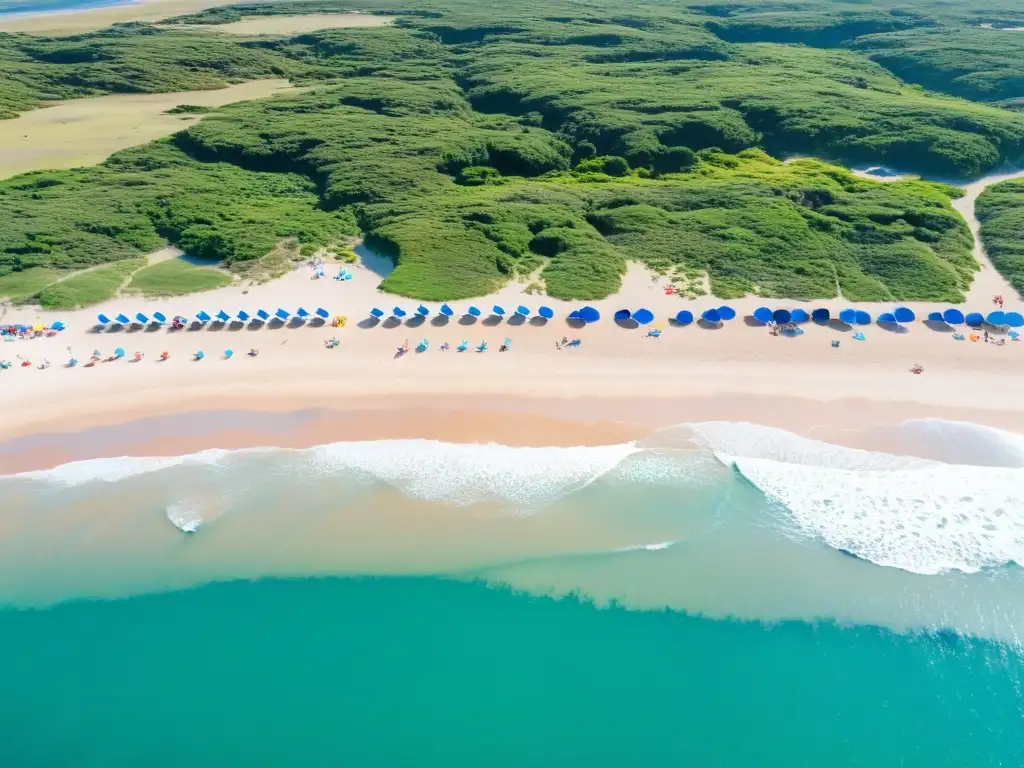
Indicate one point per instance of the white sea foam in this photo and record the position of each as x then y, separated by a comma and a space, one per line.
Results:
115, 469
661, 545
184, 516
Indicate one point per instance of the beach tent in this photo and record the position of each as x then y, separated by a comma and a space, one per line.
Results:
499, 311
799, 316
935, 317
821, 315
423, 311
863, 318
546, 312
904, 315
282, 314
142, 318
848, 316
397, 312
103, 319
711, 316
202, 317
223, 316
122, 319
763, 315
302, 313
243, 316
622, 315
375, 312
974, 319
953, 317
684, 317
782, 316
589, 315
473, 312
521, 310
159, 317
1013, 319
726, 312
643, 316
996, 318
446, 310
263, 315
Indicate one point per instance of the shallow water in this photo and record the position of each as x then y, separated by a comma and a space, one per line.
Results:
747, 595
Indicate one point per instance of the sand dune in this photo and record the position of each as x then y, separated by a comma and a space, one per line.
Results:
293, 25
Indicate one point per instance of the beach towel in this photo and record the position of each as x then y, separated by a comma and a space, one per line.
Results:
859, 336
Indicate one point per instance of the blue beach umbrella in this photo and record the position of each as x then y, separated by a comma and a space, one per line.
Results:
473, 312
302, 313
726, 312
202, 317
574, 315
375, 312
643, 316
422, 311
119, 352
200, 355
1015, 319
282, 314
996, 318
524, 311
446, 310
321, 312
546, 312
160, 317
711, 316
887, 317
142, 318
848, 316
263, 315
589, 315
499, 311
397, 312
935, 317
223, 316
229, 353
904, 315
863, 318
782, 316
763, 315
953, 317
974, 319
122, 319
243, 316
799, 316
821, 315
684, 317
103, 319
57, 326
622, 315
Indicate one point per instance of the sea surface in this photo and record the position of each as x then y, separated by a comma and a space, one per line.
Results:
48, 6
717, 594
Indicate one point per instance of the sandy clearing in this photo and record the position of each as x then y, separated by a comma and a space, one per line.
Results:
293, 25
86, 131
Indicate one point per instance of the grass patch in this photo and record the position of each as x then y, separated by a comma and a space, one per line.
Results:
1000, 210
176, 277
19, 287
91, 287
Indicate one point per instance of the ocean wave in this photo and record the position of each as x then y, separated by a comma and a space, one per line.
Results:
113, 470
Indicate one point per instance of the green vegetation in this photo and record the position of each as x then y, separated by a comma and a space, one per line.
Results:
19, 287
175, 277
541, 141
1000, 209
89, 287
189, 109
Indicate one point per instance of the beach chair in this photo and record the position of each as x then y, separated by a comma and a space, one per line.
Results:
835, 343
958, 337
72, 363
482, 347
463, 346
859, 336
422, 346
507, 345
575, 343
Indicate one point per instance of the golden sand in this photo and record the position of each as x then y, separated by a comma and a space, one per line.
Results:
293, 25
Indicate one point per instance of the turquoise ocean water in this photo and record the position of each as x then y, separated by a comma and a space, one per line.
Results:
46, 6
719, 594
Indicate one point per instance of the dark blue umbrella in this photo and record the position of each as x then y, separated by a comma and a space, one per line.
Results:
974, 319
953, 317
263, 315
574, 315
863, 318
726, 312
302, 312
103, 319
800, 316
321, 312
202, 317
499, 311
764, 315
904, 315
282, 314
223, 316
781, 316
473, 311
243, 316
160, 317
684, 317
996, 318
848, 316
397, 312
1015, 319
142, 318
821, 315
378, 313
521, 310
887, 317
446, 310
589, 315
643, 316
711, 316
623, 314
122, 319
546, 312
935, 317
421, 310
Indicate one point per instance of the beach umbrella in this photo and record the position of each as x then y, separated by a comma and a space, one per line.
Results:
119, 352
643, 316
996, 318
373, 313
589, 315
200, 355
122, 319
935, 317
887, 317
848, 316
321, 312
263, 315
781, 316
521, 310
953, 317
821, 315
684, 317
473, 312
397, 312
103, 319
763, 315
863, 318
726, 312
228, 353
282, 314
243, 316
302, 313
546, 312
57, 326
799, 316
142, 318
423, 311
974, 319
223, 316
711, 316
1013, 319
622, 315
499, 311
202, 317
446, 310
904, 315
574, 315
160, 317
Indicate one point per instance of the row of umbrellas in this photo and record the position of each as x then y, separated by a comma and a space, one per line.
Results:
445, 310
976, 319
158, 318
898, 316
